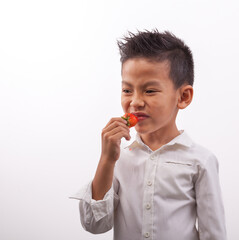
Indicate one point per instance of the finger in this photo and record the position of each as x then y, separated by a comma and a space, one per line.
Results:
116, 130
115, 124
120, 135
111, 134
118, 119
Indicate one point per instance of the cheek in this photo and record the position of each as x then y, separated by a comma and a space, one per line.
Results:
162, 107
173, 102
157, 105
124, 103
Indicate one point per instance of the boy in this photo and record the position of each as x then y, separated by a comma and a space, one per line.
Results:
163, 183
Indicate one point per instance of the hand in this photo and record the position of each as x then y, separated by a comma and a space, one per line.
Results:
111, 138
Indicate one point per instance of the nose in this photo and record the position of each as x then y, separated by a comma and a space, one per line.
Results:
136, 101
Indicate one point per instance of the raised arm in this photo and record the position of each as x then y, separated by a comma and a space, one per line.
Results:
99, 198
111, 139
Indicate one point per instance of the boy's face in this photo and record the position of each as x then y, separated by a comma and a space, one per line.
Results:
147, 89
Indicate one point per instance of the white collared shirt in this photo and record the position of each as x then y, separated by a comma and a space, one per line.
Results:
159, 195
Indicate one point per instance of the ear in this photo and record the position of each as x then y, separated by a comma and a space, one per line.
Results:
185, 96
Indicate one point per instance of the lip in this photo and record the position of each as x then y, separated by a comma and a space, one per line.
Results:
140, 115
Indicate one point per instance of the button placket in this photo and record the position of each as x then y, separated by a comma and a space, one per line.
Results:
150, 171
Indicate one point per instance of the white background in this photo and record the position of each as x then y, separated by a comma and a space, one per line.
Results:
60, 85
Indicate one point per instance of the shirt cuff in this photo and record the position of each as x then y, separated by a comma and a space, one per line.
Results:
100, 208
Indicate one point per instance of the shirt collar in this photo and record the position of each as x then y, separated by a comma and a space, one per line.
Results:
182, 139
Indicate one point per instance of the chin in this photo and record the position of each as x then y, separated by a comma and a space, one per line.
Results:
146, 129
142, 130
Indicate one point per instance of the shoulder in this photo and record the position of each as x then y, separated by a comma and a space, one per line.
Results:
203, 156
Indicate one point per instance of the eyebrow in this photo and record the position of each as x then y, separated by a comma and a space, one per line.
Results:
144, 85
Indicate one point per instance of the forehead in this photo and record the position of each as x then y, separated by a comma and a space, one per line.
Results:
141, 70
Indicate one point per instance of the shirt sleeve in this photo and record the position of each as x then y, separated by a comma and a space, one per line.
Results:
210, 210
97, 216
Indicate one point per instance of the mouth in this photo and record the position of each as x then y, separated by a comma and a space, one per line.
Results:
141, 115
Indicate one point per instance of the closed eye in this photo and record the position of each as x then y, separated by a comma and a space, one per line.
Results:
151, 91
126, 91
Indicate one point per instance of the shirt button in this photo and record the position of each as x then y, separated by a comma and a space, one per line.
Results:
147, 235
148, 206
149, 183
152, 157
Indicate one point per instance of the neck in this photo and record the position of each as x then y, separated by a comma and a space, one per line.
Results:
159, 138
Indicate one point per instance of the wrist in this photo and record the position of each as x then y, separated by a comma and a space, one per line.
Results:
107, 161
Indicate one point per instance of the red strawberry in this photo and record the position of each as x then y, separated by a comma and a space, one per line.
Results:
131, 119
